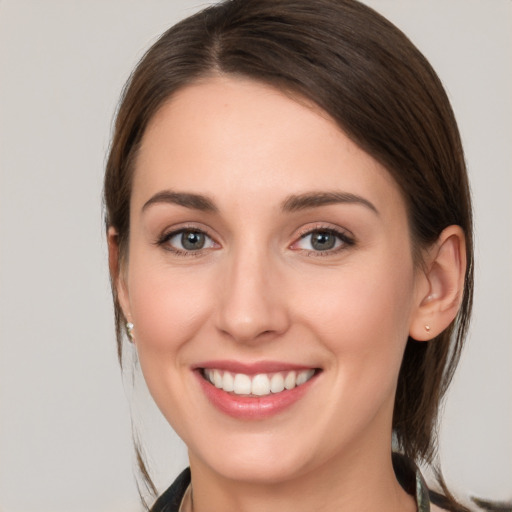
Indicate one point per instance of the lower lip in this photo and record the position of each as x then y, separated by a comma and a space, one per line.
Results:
252, 408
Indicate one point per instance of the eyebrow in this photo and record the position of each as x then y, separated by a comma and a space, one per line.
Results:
292, 203
187, 199
316, 199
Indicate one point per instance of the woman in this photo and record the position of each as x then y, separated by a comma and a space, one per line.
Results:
290, 237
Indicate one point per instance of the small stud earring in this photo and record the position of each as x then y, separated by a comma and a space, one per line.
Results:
129, 330
427, 328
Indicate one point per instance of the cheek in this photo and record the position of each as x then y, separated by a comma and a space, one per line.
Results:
168, 308
362, 319
362, 312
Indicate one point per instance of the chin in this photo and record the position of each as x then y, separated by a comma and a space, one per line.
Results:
259, 471
255, 460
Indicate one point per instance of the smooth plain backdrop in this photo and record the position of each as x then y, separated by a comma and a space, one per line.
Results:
65, 431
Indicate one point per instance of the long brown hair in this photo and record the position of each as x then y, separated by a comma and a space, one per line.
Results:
368, 76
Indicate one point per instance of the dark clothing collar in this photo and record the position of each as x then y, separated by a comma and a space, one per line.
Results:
406, 472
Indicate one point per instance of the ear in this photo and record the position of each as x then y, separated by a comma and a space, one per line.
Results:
117, 273
441, 285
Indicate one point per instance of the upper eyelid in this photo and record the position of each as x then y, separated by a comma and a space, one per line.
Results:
174, 230
298, 233
163, 241
344, 235
304, 231
172, 233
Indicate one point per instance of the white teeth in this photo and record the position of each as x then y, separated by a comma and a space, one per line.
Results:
290, 380
228, 383
217, 379
304, 376
261, 384
242, 384
277, 383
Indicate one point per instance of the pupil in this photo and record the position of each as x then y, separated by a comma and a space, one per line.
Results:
323, 241
192, 240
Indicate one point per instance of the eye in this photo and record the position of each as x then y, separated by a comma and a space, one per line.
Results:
323, 240
186, 241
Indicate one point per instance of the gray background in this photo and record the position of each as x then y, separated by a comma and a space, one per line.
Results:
64, 415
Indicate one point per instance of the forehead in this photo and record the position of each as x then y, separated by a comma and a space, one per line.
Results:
239, 136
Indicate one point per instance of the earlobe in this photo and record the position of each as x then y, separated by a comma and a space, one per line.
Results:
117, 273
445, 269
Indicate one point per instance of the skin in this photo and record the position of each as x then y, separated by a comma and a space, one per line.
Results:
259, 291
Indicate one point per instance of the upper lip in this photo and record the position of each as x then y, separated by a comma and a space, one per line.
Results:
251, 368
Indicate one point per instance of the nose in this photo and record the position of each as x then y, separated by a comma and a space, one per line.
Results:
252, 303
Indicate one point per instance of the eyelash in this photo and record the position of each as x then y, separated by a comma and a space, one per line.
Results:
345, 239
163, 240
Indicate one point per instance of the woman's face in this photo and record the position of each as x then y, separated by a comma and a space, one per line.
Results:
267, 252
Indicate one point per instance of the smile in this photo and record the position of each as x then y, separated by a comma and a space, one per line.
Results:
254, 391
262, 384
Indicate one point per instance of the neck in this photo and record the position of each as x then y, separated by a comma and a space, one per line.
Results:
354, 484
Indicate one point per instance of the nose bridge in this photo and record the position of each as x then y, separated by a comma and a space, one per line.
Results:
251, 304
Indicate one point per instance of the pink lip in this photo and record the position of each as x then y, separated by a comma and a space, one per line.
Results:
251, 408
